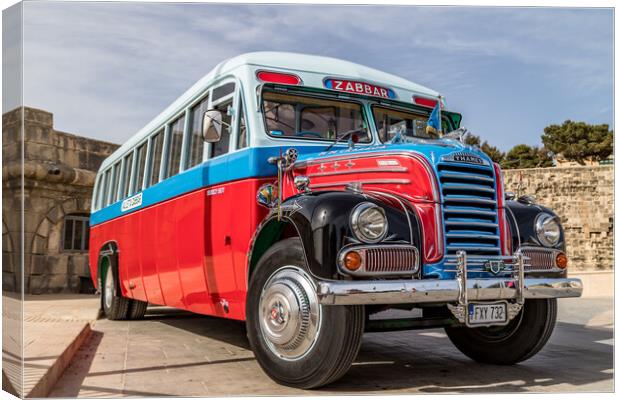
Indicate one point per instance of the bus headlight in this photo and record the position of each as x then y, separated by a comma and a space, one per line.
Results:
547, 229
369, 223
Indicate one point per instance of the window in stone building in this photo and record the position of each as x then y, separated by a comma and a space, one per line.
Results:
141, 164
174, 149
75, 234
157, 144
196, 142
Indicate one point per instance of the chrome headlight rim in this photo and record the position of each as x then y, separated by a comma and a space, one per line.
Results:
541, 227
355, 222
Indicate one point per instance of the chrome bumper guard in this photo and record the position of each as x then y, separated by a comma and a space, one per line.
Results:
405, 291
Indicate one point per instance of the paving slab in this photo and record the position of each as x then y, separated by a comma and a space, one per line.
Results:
176, 353
54, 328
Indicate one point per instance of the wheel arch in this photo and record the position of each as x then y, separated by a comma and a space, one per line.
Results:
106, 254
269, 232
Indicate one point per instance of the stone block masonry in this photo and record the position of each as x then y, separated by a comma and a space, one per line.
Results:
58, 171
583, 198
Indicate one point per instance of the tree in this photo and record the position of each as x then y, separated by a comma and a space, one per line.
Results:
578, 141
524, 156
493, 152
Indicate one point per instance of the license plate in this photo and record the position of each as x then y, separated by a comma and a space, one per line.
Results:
487, 314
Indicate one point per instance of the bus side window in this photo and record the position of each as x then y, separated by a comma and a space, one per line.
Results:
242, 137
127, 174
196, 143
176, 142
221, 147
141, 164
157, 144
96, 195
113, 195
105, 189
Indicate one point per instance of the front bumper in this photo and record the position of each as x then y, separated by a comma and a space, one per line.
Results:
461, 290
443, 291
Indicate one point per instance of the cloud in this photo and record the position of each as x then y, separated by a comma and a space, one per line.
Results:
106, 69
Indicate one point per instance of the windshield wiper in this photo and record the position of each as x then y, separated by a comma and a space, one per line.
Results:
343, 135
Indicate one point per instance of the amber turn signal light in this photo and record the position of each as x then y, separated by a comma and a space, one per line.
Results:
352, 261
561, 261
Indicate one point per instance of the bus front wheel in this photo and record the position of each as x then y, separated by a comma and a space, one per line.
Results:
297, 341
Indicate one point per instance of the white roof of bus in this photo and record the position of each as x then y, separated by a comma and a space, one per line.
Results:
278, 60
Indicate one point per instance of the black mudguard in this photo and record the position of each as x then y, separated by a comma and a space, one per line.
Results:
321, 220
522, 218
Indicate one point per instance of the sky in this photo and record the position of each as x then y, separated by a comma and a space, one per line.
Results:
105, 69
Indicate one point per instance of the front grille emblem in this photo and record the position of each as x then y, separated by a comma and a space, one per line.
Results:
463, 157
494, 266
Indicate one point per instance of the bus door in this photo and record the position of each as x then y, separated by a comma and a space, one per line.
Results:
220, 206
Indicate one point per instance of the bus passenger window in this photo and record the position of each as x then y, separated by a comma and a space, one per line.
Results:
141, 164
127, 174
221, 147
114, 186
242, 138
105, 189
176, 141
196, 143
157, 143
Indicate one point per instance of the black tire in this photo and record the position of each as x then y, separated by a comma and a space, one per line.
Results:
137, 309
114, 305
335, 346
521, 339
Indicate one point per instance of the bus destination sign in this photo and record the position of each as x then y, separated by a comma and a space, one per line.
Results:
343, 85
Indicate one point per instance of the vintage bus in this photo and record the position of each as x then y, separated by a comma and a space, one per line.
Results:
306, 196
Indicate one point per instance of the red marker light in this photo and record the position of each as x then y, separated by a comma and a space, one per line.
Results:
424, 101
277, 77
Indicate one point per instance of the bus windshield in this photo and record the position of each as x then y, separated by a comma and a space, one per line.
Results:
390, 122
305, 117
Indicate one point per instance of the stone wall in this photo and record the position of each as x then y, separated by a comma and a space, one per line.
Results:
583, 198
58, 171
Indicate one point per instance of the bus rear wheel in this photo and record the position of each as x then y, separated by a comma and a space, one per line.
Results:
297, 341
114, 305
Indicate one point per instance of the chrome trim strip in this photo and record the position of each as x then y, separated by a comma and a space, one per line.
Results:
455, 175
465, 186
442, 290
367, 182
471, 236
459, 210
473, 248
469, 200
361, 170
472, 223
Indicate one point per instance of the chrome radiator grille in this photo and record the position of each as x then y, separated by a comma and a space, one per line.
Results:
469, 209
391, 260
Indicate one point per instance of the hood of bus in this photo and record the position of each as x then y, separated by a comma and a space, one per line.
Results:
439, 178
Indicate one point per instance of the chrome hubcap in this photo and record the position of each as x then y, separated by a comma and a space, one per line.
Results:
108, 289
289, 313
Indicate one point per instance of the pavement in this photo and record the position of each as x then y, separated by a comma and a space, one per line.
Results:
54, 328
176, 353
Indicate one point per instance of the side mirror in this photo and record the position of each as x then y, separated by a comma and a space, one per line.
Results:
212, 126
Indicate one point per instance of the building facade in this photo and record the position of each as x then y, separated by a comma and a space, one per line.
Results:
58, 175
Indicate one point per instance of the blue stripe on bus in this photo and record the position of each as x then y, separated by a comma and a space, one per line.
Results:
243, 164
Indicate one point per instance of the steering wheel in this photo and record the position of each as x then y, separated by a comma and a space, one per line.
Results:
309, 133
